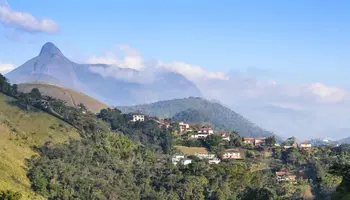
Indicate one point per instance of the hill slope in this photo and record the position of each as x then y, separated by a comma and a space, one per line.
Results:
19, 131
200, 110
109, 84
344, 141
71, 97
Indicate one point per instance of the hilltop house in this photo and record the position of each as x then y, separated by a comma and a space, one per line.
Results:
225, 135
181, 159
259, 141
203, 133
231, 154
247, 140
305, 146
212, 159
138, 117
288, 147
206, 130
284, 175
184, 127
163, 123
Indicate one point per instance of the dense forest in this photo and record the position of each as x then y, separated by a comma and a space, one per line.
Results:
119, 159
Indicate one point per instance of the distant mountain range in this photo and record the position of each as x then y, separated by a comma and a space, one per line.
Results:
123, 88
200, 110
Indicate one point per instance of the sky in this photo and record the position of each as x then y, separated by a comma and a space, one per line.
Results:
285, 59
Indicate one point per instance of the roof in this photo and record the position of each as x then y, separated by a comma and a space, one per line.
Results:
247, 138
205, 129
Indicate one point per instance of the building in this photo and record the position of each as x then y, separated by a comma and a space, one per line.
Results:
224, 135
305, 146
205, 156
284, 175
231, 154
259, 141
163, 123
186, 161
138, 117
177, 158
214, 161
199, 136
184, 127
205, 130
247, 140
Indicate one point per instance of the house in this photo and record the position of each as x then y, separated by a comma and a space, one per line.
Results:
163, 123
231, 154
224, 135
206, 130
177, 158
203, 133
205, 156
186, 161
284, 175
259, 141
184, 127
214, 161
305, 146
138, 117
247, 140
199, 136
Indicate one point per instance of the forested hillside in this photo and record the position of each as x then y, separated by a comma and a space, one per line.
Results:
200, 110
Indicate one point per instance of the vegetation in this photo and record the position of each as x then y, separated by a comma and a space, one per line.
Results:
199, 110
114, 158
71, 97
20, 130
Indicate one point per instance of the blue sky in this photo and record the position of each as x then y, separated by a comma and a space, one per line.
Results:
295, 41
292, 56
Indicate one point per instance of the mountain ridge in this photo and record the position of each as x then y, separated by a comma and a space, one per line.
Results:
120, 87
203, 111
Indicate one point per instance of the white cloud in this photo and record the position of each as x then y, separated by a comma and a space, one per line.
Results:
6, 67
192, 72
327, 94
131, 58
26, 21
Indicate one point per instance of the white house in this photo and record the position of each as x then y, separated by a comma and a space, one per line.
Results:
205, 156
138, 117
184, 127
207, 131
186, 161
197, 136
214, 161
177, 158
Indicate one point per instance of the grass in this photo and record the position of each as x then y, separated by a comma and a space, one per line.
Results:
19, 132
192, 150
71, 97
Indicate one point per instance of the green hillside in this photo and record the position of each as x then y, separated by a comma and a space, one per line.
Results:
200, 110
71, 97
19, 132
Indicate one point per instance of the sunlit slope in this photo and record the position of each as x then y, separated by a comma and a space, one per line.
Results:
19, 131
71, 97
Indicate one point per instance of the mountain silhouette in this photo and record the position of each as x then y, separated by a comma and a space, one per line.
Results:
51, 66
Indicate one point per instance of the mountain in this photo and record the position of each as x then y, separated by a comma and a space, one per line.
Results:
109, 84
344, 141
200, 110
19, 132
71, 97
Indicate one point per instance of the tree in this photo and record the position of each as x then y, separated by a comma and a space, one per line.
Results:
270, 141
10, 195
213, 141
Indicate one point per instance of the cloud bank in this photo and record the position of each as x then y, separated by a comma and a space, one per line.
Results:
26, 21
303, 110
6, 67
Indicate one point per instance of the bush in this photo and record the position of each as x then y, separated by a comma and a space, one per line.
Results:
10, 195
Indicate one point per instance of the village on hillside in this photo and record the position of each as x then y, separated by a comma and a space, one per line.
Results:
195, 141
